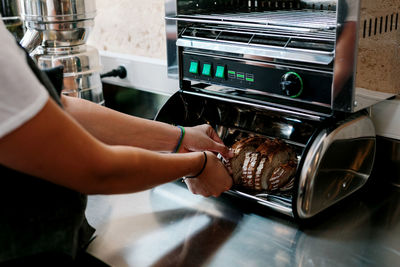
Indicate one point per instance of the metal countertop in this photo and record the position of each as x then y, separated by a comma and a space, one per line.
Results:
168, 226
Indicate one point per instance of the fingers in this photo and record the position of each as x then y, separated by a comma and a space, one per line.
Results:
213, 135
226, 163
219, 144
222, 149
214, 180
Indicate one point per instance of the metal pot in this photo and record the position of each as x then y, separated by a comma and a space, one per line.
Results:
81, 69
57, 22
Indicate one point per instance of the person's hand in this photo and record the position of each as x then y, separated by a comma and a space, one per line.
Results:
213, 181
204, 138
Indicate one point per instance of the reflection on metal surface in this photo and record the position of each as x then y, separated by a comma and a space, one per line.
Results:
81, 69
279, 108
132, 101
339, 162
31, 40
168, 226
366, 98
171, 29
277, 203
9, 12
388, 159
59, 24
286, 54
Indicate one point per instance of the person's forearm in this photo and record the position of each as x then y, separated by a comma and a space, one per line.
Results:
126, 169
55, 148
116, 128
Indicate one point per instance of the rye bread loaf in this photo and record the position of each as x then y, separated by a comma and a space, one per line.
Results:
287, 187
276, 154
281, 175
249, 168
262, 163
240, 148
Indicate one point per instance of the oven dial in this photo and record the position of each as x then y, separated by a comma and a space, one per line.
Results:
292, 84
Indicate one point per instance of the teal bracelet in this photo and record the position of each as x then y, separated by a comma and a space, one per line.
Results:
178, 146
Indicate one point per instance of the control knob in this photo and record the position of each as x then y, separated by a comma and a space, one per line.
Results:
292, 84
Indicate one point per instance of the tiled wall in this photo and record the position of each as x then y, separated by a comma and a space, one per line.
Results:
133, 27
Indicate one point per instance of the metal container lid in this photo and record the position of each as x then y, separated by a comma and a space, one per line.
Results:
57, 10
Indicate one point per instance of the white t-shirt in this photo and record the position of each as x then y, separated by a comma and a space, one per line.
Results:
22, 96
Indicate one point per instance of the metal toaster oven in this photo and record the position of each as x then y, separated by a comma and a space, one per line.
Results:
302, 71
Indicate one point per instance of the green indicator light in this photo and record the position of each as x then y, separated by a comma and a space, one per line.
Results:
194, 67
240, 76
231, 72
250, 79
206, 70
301, 84
220, 72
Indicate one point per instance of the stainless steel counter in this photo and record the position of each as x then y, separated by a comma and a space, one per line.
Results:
168, 226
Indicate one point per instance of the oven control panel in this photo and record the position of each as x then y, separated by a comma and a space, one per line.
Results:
292, 83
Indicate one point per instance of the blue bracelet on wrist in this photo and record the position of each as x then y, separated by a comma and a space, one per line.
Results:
178, 146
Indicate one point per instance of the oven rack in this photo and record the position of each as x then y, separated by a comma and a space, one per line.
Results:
303, 19
318, 44
306, 20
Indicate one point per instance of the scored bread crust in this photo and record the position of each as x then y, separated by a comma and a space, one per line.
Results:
262, 163
249, 167
276, 153
287, 186
246, 162
240, 148
281, 175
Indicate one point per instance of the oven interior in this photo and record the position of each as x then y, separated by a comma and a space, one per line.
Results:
234, 121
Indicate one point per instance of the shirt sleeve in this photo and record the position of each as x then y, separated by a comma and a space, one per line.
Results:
22, 96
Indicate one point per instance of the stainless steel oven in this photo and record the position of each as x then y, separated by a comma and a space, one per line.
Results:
301, 71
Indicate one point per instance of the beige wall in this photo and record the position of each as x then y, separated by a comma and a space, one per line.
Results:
133, 27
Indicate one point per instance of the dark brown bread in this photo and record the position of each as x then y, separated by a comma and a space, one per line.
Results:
240, 148
288, 186
276, 153
281, 175
249, 167
262, 164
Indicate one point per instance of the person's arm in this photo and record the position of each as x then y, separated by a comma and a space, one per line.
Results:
56, 148
116, 128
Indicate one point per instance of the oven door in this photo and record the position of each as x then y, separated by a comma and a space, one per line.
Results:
334, 156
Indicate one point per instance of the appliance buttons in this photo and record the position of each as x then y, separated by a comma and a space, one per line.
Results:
220, 72
206, 70
194, 67
240, 75
231, 74
249, 77
292, 84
